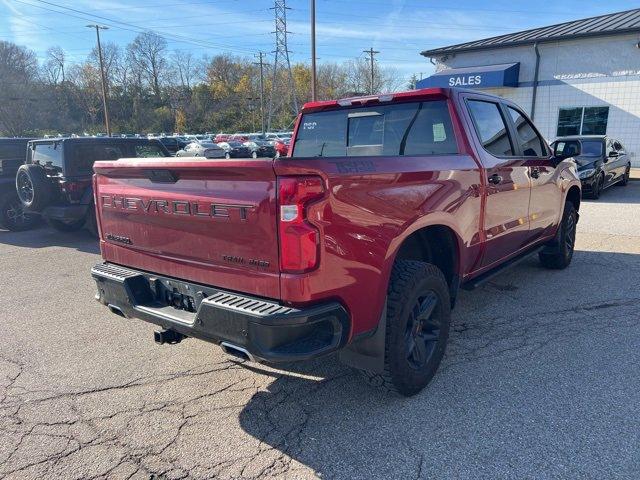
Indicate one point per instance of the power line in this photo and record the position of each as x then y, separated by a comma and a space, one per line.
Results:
134, 28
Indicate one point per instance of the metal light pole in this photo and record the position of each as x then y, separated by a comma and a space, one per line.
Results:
314, 95
104, 83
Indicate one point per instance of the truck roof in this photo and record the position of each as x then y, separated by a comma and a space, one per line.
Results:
409, 95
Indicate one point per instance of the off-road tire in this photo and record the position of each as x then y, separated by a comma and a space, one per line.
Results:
12, 214
66, 227
558, 255
410, 282
34, 188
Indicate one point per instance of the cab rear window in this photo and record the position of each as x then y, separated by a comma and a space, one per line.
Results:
409, 129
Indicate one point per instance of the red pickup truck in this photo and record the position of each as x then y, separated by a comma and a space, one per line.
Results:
357, 243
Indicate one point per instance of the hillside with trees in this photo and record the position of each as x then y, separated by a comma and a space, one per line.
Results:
154, 89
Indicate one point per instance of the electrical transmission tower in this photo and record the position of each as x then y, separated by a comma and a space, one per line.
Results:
283, 93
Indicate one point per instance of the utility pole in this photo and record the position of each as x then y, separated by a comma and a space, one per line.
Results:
314, 81
261, 55
104, 83
371, 52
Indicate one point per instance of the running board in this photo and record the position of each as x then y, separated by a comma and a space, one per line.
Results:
487, 276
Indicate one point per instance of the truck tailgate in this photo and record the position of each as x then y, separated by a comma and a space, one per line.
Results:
210, 222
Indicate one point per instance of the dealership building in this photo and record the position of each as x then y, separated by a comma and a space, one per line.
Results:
579, 77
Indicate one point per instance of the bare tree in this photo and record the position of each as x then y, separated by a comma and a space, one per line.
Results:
112, 58
147, 55
184, 66
54, 65
18, 71
359, 77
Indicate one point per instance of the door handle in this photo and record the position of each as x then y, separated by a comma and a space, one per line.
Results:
495, 179
535, 172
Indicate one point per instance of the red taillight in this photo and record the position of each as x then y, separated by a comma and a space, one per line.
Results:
299, 239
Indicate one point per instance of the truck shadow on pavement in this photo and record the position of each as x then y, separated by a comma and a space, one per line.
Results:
528, 352
43, 237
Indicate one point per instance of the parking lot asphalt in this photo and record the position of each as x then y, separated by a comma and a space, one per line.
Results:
540, 380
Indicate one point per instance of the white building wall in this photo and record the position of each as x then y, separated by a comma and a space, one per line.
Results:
600, 71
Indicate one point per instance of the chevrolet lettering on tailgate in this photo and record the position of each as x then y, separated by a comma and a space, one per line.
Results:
176, 207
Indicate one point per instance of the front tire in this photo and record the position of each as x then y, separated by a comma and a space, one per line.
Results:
418, 322
558, 255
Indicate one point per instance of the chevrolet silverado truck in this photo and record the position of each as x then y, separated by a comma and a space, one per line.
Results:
357, 243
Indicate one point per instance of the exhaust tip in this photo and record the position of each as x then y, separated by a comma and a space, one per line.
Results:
117, 310
237, 352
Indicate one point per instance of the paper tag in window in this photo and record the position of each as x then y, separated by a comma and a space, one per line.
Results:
439, 134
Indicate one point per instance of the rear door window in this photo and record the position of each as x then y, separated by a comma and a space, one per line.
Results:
491, 128
417, 128
531, 144
48, 155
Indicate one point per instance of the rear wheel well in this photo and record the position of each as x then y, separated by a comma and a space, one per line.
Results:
573, 196
437, 245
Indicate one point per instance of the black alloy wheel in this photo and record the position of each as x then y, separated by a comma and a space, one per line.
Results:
422, 331
25, 187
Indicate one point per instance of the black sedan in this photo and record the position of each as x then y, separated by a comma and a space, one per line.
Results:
603, 162
234, 150
260, 148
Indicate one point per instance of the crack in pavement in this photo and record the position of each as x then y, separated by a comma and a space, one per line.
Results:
141, 428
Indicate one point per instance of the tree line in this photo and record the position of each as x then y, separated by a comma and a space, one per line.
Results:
154, 89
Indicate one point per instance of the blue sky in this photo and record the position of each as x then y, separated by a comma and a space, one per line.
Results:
399, 29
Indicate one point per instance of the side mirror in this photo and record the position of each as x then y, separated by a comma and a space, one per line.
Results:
613, 154
566, 149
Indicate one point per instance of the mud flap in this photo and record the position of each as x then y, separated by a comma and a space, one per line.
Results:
367, 352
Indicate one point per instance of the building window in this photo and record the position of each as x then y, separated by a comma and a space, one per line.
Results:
583, 121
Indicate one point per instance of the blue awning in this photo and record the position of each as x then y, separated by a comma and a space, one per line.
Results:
503, 75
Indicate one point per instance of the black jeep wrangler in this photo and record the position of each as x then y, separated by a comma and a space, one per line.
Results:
13, 152
56, 181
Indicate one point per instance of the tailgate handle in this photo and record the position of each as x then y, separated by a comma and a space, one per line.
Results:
162, 176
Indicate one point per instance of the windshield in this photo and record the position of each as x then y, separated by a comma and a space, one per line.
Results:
417, 128
591, 148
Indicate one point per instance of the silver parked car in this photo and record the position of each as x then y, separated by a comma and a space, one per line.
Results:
202, 149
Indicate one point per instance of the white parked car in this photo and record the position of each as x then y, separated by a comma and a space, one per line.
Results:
202, 149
